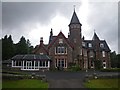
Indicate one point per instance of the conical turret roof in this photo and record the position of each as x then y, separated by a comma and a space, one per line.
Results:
74, 19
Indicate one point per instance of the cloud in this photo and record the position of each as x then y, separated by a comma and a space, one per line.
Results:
103, 17
35, 19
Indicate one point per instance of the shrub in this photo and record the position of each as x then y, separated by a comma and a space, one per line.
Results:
75, 68
110, 70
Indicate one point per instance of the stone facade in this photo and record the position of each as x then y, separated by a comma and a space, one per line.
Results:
74, 49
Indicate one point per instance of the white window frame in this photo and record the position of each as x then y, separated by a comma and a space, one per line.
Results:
60, 40
104, 63
89, 44
60, 50
101, 45
80, 51
85, 53
57, 61
83, 44
14, 63
91, 53
103, 53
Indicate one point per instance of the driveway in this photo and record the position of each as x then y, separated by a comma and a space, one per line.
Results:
68, 79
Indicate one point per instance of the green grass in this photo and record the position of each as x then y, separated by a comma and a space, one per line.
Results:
25, 83
0, 84
102, 83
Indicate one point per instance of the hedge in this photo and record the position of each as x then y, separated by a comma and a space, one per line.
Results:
110, 70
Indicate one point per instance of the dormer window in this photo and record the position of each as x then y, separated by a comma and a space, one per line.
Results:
60, 40
101, 45
89, 45
83, 44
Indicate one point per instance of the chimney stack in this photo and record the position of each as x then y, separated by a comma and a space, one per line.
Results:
41, 40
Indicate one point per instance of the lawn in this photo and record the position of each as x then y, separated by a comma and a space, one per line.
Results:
25, 83
102, 83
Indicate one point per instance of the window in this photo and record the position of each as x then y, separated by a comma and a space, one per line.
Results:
17, 62
56, 63
89, 45
91, 53
101, 45
60, 50
80, 51
103, 53
14, 63
60, 40
85, 53
43, 63
103, 60
46, 63
41, 53
36, 63
74, 40
61, 63
92, 64
78, 26
83, 44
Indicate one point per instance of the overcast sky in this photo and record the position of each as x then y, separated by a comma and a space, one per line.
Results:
35, 19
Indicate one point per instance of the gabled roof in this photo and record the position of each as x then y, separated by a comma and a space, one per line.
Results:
40, 46
74, 19
95, 37
55, 38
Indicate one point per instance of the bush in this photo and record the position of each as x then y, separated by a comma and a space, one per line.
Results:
75, 68
53, 69
110, 70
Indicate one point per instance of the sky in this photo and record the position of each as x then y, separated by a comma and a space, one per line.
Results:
35, 19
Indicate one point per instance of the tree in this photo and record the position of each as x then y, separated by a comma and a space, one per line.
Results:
118, 60
7, 47
29, 47
21, 46
114, 60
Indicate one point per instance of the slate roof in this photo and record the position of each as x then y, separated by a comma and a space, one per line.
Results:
31, 57
95, 36
105, 48
74, 19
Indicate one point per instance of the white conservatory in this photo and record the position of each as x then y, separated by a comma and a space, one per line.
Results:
31, 62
